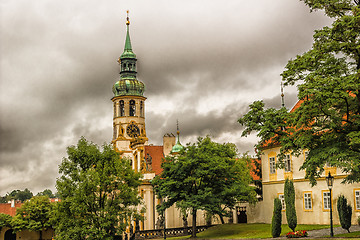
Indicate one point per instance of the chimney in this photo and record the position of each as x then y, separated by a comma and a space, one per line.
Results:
12, 203
168, 143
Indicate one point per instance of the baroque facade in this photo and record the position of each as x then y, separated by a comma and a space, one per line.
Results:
312, 203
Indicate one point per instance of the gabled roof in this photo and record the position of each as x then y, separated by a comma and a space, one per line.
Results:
157, 154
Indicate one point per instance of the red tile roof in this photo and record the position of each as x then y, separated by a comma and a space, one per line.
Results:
157, 154
253, 167
7, 209
272, 142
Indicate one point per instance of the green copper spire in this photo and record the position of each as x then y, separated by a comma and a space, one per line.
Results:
177, 147
128, 53
128, 85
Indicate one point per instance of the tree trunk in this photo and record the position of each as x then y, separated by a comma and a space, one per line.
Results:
193, 223
221, 219
40, 235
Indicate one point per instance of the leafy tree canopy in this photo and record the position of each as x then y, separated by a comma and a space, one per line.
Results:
5, 220
33, 215
206, 176
99, 193
327, 120
19, 195
46, 192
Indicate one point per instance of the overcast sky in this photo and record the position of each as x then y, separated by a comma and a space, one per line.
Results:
203, 63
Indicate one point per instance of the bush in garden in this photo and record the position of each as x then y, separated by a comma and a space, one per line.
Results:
345, 212
276, 219
289, 194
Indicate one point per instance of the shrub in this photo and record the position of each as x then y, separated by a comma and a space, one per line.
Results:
276, 219
345, 212
297, 234
289, 194
5, 220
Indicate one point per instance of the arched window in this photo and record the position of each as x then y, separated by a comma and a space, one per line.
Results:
115, 110
124, 66
141, 109
132, 108
115, 132
121, 108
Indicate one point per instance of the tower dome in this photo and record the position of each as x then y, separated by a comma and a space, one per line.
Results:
177, 147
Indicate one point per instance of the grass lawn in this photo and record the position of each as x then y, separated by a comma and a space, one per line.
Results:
350, 235
255, 230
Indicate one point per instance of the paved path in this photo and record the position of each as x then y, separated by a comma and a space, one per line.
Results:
321, 233
326, 232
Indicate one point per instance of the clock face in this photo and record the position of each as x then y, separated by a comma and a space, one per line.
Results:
132, 130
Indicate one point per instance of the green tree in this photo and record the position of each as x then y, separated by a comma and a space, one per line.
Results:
33, 215
204, 176
99, 193
289, 194
345, 212
327, 120
5, 220
258, 182
46, 192
3, 199
276, 219
20, 195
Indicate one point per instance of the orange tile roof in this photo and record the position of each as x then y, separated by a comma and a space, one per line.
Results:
270, 143
157, 154
253, 167
7, 209
297, 105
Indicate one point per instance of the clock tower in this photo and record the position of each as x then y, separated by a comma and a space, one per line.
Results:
129, 135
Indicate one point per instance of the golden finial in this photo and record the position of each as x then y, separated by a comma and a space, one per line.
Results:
127, 18
119, 61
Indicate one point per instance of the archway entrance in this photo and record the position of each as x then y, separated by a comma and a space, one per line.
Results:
241, 214
9, 235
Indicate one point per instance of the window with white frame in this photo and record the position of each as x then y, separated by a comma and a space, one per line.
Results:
272, 165
357, 199
326, 200
287, 162
282, 199
307, 201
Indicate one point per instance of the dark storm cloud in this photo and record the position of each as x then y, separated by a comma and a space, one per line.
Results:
58, 64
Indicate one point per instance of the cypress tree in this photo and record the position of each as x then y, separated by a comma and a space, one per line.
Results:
276, 219
289, 194
345, 212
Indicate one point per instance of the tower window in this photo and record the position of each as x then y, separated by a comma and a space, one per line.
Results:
114, 109
115, 132
121, 108
132, 108
141, 109
124, 66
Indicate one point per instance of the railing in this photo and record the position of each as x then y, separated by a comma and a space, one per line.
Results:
157, 233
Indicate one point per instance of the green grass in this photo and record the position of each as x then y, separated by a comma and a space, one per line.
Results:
255, 230
351, 235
